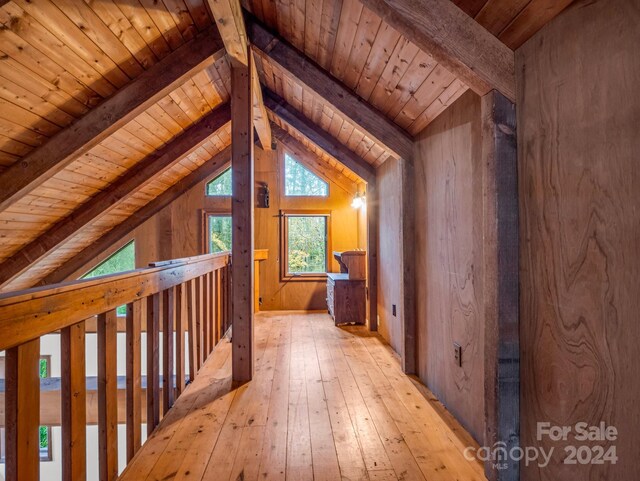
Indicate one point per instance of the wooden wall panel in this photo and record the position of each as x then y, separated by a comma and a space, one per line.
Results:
344, 234
390, 254
449, 307
155, 242
578, 121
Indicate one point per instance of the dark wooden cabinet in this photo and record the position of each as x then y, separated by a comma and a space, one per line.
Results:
346, 299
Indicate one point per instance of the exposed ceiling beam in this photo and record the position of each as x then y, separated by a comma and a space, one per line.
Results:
217, 164
373, 122
260, 118
311, 160
315, 134
144, 172
455, 40
230, 22
96, 125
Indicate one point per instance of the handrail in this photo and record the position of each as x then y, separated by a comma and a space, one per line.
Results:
30, 314
189, 295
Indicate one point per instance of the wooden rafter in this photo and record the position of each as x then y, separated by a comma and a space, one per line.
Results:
43, 163
376, 125
315, 134
311, 160
230, 22
131, 181
455, 40
209, 169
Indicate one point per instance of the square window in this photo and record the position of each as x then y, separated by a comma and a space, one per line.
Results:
305, 245
219, 233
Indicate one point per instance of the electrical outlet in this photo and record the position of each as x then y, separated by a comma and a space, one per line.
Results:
457, 352
393, 310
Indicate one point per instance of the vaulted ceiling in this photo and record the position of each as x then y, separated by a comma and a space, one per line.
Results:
60, 60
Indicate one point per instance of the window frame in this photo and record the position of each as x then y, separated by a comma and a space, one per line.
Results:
286, 276
206, 213
304, 164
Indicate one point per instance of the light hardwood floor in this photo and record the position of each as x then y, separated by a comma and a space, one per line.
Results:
326, 403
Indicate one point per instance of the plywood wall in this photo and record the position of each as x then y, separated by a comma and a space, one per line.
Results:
579, 154
389, 260
449, 303
177, 231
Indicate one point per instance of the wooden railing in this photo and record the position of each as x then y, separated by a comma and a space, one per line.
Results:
174, 297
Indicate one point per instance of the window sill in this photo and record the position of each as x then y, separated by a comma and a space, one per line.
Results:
320, 277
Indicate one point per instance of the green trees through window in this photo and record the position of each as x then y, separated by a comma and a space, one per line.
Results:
306, 244
221, 185
44, 431
120, 261
219, 233
300, 181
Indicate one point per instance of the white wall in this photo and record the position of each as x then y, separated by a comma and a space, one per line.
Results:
50, 345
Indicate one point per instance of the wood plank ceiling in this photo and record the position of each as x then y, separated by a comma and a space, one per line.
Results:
61, 58
381, 66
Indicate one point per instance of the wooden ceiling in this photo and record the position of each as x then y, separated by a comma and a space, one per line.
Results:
367, 55
60, 59
316, 109
379, 64
512, 21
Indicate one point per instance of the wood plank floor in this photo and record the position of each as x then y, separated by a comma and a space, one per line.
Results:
326, 403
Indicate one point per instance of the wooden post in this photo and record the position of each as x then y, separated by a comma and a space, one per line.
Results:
22, 408
501, 339
73, 410
212, 311
242, 167
191, 327
168, 306
218, 307
372, 252
134, 373
107, 396
205, 317
154, 309
198, 320
180, 324
408, 287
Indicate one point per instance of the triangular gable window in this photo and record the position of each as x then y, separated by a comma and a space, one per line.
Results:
122, 260
300, 181
221, 185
